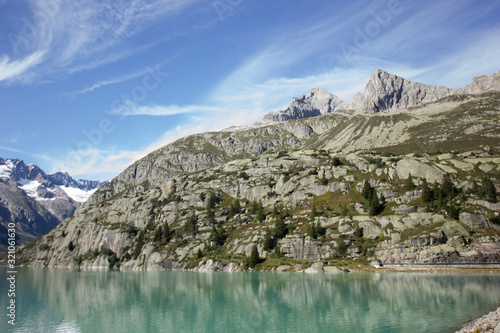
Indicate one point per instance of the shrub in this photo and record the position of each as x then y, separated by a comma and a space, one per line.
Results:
243, 175
341, 248
282, 153
323, 181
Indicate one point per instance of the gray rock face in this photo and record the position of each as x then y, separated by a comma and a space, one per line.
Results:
315, 103
383, 92
474, 221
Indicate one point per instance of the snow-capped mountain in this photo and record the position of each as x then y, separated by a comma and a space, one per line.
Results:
35, 201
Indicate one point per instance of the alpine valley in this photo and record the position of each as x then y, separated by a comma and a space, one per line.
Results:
405, 173
37, 202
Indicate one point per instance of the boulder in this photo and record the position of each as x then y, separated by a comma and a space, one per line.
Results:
316, 267
474, 221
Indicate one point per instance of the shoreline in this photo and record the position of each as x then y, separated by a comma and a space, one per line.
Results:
488, 323
216, 266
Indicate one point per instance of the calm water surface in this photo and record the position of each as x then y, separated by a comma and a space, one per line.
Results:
63, 300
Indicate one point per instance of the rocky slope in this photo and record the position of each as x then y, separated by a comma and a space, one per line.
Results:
35, 201
295, 190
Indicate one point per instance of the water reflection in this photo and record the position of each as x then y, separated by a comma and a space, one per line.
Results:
254, 302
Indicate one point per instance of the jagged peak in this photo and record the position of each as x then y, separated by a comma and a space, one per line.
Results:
316, 102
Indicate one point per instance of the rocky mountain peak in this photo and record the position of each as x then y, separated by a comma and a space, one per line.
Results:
315, 103
483, 83
385, 91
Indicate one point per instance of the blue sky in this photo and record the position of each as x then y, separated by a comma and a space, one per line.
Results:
89, 87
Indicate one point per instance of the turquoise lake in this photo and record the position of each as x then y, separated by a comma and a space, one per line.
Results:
63, 300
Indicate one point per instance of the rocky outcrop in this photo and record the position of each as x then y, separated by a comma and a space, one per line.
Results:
315, 103
385, 92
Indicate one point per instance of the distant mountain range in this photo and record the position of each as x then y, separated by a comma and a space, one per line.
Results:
35, 201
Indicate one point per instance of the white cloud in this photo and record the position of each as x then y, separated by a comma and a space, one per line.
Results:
17, 68
130, 108
73, 36
13, 138
105, 83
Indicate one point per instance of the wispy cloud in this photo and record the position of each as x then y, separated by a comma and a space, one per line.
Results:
10, 69
75, 36
13, 138
133, 109
105, 83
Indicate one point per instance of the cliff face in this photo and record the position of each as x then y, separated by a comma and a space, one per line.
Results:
295, 189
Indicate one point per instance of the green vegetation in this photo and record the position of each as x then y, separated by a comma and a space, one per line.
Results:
254, 258
191, 226
44, 247
487, 191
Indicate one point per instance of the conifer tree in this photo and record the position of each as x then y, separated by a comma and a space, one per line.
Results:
268, 243
374, 204
216, 236
280, 229
409, 186
166, 232
254, 257
191, 225
311, 230
158, 234
367, 191
426, 192
453, 212
489, 190
448, 189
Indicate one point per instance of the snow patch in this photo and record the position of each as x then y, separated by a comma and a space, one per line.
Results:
76, 193
6, 169
30, 187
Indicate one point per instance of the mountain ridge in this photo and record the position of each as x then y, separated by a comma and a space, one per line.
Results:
37, 202
218, 194
383, 92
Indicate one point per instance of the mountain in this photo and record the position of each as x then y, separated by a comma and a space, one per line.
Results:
403, 173
383, 92
37, 202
